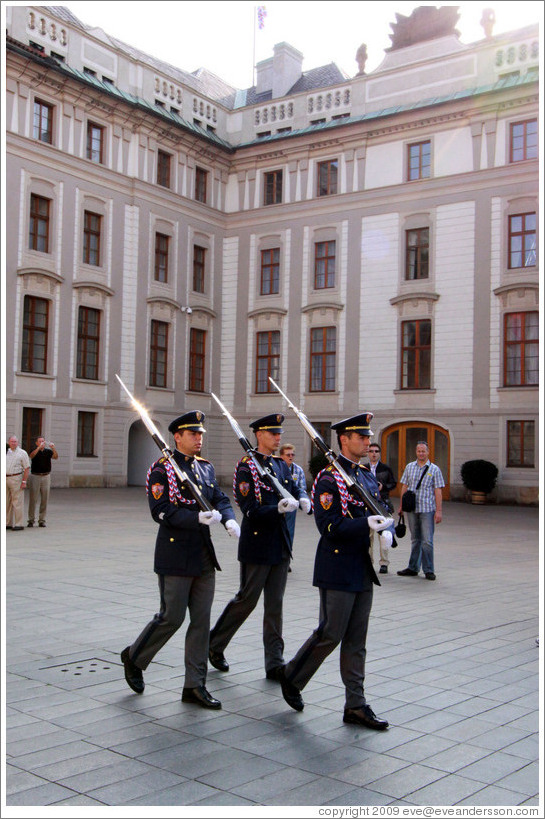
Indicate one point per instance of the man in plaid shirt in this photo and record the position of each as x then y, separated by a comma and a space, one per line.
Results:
428, 511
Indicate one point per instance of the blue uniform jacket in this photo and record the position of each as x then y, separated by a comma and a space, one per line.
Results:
181, 539
342, 557
264, 537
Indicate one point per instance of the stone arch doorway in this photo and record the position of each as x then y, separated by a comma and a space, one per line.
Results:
399, 441
143, 452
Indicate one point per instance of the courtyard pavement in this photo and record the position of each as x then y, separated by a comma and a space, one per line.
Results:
452, 664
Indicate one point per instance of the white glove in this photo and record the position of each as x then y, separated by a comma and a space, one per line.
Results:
233, 529
304, 503
287, 505
386, 539
378, 522
209, 518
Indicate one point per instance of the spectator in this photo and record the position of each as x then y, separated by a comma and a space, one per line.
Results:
17, 469
386, 482
287, 453
40, 479
425, 479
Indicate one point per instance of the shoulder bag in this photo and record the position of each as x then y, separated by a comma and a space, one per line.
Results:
408, 501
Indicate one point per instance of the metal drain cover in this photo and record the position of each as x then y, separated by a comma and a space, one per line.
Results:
80, 668
72, 674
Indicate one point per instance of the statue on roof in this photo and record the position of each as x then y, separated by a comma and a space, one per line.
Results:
424, 23
487, 21
361, 58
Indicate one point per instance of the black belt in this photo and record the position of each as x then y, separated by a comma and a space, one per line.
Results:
40, 474
14, 474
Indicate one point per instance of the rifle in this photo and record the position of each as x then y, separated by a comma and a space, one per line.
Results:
264, 473
167, 452
373, 504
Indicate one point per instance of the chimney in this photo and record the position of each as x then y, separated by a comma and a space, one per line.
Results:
280, 72
287, 68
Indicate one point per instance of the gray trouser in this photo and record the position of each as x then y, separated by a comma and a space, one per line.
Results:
177, 595
254, 579
39, 486
344, 617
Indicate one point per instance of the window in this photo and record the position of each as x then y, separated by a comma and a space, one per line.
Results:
523, 142
200, 184
273, 188
521, 349
197, 351
327, 177
163, 169
286, 130
323, 352
263, 134
522, 240
416, 355
35, 330
158, 354
199, 262
521, 443
86, 434
95, 142
89, 71
417, 254
92, 223
324, 265
270, 271
267, 360
32, 427
43, 121
38, 229
161, 257
88, 343
419, 164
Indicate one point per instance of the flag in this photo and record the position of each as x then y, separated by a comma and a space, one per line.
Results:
261, 14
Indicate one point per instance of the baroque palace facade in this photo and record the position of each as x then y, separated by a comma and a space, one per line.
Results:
369, 241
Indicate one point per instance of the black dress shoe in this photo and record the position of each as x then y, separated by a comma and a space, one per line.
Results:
364, 716
218, 660
291, 694
133, 674
272, 673
42, 524
200, 696
407, 573
30, 524
430, 576
383, 570
18, 528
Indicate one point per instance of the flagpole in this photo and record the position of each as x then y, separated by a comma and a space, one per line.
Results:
253, 62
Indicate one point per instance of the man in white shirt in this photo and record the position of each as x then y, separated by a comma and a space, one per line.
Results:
17, 469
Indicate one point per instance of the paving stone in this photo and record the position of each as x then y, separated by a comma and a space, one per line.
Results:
446, 791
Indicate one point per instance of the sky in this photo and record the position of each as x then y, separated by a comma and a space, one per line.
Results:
223, 36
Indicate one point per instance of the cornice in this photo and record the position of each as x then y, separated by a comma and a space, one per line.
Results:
93, 286
417, 295
40, 271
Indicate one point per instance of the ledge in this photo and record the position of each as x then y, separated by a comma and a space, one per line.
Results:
322, 305
418, 295
40, 271
261, 311
94, 286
